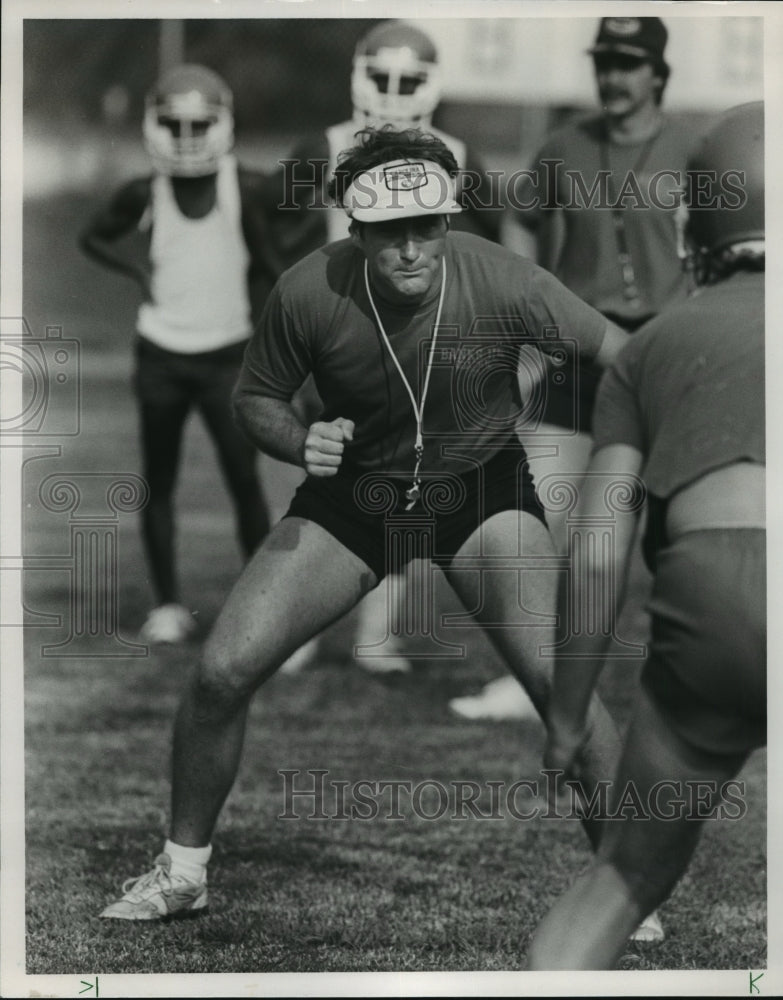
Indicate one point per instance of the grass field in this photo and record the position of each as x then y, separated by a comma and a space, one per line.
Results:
288, 895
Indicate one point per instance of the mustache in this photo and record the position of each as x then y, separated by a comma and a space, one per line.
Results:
609, 92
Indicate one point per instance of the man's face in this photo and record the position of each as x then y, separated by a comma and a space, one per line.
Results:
625, 83
404, 256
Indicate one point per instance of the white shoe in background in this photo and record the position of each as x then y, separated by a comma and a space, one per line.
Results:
373, 629
503, 698
384, 663
169, 623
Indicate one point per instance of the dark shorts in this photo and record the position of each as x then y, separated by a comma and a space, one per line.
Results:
707, 664
367, 513
167, 378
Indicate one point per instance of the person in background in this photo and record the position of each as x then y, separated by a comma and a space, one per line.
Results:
209, 258
682, 407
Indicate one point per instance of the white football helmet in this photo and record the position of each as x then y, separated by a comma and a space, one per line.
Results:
189, 122
396, 79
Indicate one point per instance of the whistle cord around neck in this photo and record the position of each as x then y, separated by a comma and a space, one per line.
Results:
414, 492
625, 260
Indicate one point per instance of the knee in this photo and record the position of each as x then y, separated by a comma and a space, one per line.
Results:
220, 685
645, 887
647, 868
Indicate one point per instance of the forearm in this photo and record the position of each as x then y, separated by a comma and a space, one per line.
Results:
589, 599
272, 425
576, 675
104, 253
551, 238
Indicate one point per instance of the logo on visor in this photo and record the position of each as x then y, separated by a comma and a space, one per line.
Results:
405, 177
623, 26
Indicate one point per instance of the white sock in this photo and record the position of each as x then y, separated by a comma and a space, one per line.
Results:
191, 862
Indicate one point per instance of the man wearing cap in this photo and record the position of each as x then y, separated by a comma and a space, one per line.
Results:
597, 209
411, 333
600, 207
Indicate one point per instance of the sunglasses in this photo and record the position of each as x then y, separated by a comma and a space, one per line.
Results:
607, 61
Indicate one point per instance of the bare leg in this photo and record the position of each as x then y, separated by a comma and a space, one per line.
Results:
555, 456
376, 648
639, 861
300, 581
517, 609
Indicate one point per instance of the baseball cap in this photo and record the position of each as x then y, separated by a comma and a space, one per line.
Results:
644, 37
401, 189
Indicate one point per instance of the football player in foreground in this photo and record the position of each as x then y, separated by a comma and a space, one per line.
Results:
694, 431
396, 80
411, 333
207, 251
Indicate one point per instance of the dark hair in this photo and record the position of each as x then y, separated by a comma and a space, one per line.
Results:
384, 145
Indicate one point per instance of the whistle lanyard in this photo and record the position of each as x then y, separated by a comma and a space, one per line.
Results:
414, 492
630, 287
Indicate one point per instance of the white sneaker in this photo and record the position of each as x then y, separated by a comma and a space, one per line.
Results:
384, 664
649, 930
503, 698
168, 623
159, 895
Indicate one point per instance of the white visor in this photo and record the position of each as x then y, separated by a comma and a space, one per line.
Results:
401, 189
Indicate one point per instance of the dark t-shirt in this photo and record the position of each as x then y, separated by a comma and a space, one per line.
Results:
688, 389
644, 179
572, 192
318, 319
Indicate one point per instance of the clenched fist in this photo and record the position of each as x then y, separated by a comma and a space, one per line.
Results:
324, 444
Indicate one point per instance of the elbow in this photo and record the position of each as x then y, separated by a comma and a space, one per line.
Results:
614, 339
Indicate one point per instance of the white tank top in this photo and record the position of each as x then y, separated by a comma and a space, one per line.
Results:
342, 137
200, 298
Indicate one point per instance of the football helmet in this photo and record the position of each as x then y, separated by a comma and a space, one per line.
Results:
188, 122
733, 150
396, 79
